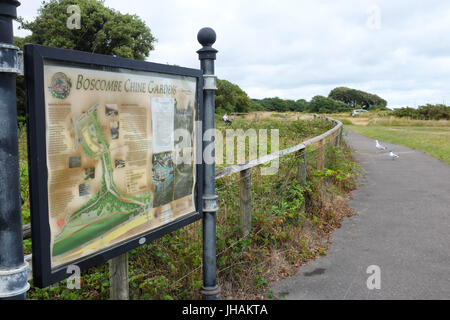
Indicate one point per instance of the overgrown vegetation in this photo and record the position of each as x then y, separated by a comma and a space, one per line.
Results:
287, 230
290, 132
427, 112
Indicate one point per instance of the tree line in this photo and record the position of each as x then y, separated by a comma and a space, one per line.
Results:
230, 98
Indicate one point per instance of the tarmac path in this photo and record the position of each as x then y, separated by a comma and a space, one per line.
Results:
401, 225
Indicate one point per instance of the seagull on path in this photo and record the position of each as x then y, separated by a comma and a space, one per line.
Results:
393, 155
379, 146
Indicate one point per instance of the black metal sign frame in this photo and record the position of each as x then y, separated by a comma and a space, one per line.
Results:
35, 55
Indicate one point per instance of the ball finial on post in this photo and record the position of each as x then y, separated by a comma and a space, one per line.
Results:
206, 37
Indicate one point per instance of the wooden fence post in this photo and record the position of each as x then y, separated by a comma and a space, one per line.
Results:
118, 278
302, 167
246, 201
320, 155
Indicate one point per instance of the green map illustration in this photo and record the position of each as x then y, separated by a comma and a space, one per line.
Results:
108, 207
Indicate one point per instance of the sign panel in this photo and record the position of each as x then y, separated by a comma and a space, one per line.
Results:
120, 146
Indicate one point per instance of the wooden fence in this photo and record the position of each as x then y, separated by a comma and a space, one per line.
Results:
333, 135
119, 266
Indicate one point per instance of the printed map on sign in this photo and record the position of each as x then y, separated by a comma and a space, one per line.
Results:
111, 156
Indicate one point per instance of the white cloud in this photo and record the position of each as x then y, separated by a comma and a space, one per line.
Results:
298, 49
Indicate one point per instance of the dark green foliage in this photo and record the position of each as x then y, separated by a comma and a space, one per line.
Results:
103, 30
232, 99
302, 105
427, 112
281, 105
321, 104
405, 112
355, 98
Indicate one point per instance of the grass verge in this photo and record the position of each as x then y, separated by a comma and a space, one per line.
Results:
433, 140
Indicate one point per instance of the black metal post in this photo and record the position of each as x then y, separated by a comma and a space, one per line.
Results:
13, 268
207, 55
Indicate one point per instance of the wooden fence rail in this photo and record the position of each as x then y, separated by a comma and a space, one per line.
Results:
119, 266
245, 168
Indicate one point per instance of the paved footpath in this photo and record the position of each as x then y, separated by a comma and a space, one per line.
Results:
402, 225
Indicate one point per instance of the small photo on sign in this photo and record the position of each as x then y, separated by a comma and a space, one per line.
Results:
83, 189
184, 118
111, 110
114, 129
163, 178
75, 162
184, 180
89, 173
184, 174
119, 163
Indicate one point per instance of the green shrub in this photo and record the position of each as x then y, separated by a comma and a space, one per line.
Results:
427, 112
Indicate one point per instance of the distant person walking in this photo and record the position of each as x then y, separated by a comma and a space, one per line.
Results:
226, 119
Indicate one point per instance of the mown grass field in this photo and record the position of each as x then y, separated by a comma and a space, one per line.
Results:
291, 224
431, 137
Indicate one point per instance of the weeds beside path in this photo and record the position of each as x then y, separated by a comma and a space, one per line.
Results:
401, 226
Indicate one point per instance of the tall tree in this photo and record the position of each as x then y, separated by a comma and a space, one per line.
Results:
102, 30
323, 104
302, 105
231, 98
354, 98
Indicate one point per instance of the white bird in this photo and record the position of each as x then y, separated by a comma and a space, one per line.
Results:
393, 155
379, 146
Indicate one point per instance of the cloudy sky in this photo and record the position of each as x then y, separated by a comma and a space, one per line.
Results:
398, 49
